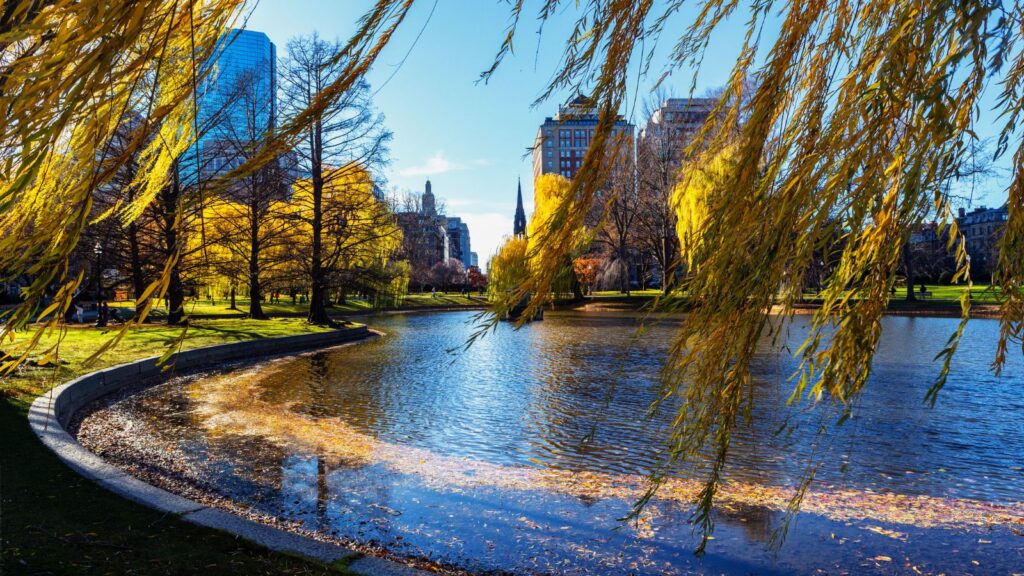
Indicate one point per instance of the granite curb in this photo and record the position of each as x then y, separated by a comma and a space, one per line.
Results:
51, 413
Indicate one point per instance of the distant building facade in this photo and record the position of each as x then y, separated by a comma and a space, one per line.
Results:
562, 141
425, 232
458, 240
982, 228
672, 127
430, 238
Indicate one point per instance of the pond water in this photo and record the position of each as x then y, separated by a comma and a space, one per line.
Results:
524, 452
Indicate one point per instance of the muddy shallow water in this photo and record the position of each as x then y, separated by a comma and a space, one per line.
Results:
523, 453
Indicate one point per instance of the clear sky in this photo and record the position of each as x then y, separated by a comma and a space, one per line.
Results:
470, 139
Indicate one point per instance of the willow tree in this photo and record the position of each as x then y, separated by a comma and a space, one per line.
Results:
69, 72
856, 115
860, 114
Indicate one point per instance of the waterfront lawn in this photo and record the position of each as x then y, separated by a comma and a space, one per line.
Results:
285, 308
56, 522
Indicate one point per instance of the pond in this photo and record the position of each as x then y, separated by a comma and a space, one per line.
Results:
524, 452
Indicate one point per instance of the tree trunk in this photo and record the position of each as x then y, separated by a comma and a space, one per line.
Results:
318, 280
233, 306
175, 288
908, 270
626, 271
135, 261
255, 295
255, 306
175, 298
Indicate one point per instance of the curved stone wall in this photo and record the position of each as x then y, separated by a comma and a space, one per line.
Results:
51, 413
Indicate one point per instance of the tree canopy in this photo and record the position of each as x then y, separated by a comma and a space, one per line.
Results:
859, 116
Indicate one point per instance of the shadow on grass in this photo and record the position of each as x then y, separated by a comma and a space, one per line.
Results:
56, 522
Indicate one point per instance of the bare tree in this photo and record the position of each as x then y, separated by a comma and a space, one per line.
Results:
246, 225
345, 138
617, 230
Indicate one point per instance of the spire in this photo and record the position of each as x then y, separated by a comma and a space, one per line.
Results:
427, 203
519, 225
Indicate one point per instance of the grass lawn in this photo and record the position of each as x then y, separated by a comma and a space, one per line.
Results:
648, 293
53, 521
286, 308
980, 294
939, 294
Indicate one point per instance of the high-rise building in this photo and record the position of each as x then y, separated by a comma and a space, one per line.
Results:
237, 100
672, 127
458, 240
519, 223
474, 260
562, 141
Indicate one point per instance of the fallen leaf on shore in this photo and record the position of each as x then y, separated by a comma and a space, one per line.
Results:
888, 533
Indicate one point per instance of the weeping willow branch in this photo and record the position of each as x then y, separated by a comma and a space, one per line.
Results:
857, 118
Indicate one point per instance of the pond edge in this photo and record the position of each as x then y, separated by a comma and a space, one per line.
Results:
50, 413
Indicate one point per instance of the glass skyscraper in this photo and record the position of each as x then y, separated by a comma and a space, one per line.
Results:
237, 99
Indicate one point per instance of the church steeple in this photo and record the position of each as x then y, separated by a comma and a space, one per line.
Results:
519, 224
427, 202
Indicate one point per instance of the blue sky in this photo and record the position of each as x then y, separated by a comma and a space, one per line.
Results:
470, 138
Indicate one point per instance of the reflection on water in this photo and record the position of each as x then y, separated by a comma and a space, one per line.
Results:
434, 454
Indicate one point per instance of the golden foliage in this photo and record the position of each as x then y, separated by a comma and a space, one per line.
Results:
508, 269
71, 71
856, 116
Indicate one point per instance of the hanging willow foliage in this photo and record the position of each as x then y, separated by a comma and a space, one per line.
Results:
72, 72
859, 115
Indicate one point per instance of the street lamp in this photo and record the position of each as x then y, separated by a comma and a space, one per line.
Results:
101, 317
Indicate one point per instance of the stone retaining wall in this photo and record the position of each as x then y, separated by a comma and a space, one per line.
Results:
51, 413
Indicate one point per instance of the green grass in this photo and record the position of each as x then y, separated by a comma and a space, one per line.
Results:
286, 308
939, 295
944, 295
53, 521
648, 293
980, 293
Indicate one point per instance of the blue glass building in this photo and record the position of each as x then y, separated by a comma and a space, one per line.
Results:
237, 99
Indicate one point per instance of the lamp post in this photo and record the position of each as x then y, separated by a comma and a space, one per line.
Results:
101, 317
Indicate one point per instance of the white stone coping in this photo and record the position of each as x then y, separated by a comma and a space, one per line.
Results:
51, 412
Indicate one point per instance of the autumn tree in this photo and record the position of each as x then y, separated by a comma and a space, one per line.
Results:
448, 274
359, 230
344, 141
859, 114
244, 219
550, 192
475, 279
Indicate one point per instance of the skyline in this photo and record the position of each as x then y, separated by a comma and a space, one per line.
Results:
472, 139
469, 138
